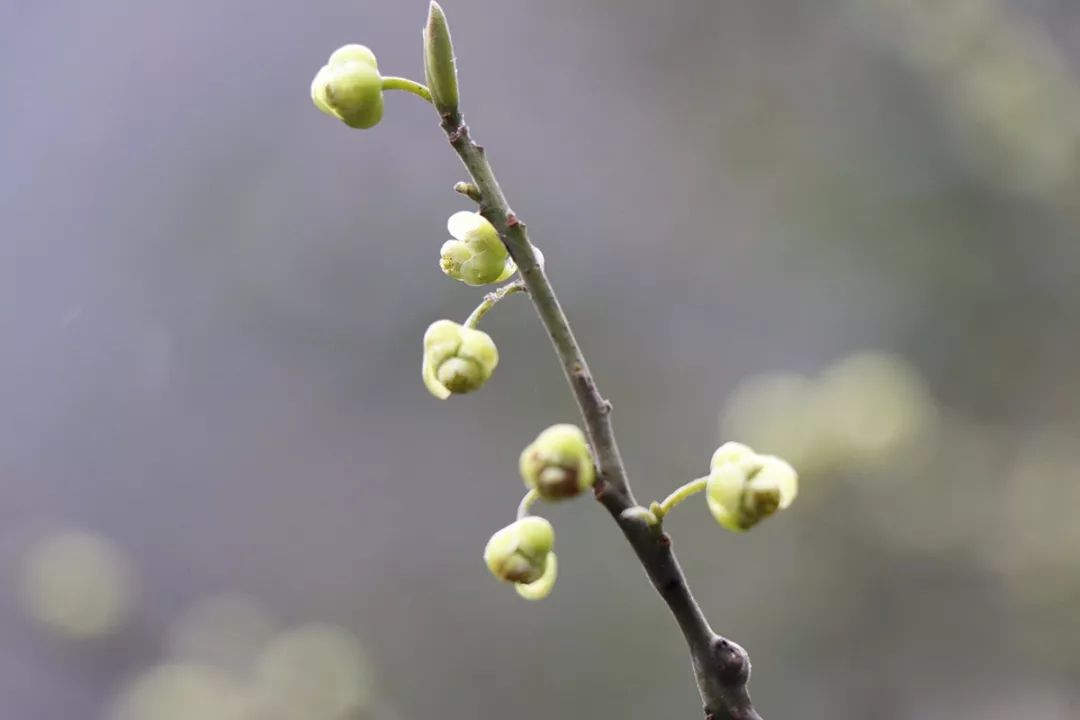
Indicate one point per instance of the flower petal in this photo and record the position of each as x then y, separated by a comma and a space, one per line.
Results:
722, 515
509, 269
318, 91
781, 473
462, 223
730, 452
353, 53
432, 383
540, 589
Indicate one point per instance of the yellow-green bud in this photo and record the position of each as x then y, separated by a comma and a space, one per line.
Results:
558, 464
439, 66
457, 359
476, 255
519, 553
349, 87
744, 488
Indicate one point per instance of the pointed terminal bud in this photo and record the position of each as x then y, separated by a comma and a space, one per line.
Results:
519, 553
349, 87
457, 359
476, 255
439, 65
558, 464
744, 488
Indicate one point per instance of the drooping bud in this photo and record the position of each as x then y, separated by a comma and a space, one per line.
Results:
521, 551
349, 87
476, 255
439, 65
744, 488
558, 463
457, 359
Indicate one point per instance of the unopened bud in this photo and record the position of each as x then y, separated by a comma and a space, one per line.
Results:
439, 65
349, 87
519, 553
558, 463
457, 359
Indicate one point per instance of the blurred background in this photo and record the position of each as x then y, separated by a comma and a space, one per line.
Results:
845, 232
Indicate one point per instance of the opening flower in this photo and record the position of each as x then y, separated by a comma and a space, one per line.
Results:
476, 255
744, 487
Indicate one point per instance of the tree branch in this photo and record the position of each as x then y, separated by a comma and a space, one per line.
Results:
721, 667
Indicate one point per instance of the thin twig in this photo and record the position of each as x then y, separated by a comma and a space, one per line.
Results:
490, 300
721, 667
677, 496
526, 503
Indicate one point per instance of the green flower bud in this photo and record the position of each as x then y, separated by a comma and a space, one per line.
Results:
519, 553
457, 359
476, 255
558, 464
349, 87
744, 488
439, 66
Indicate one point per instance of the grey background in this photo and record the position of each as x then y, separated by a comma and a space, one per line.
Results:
212, 298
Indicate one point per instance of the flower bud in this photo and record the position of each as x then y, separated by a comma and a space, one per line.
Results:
558, 464
457, 359
349, 87
476, 255
744, 488
520, 552
439, 66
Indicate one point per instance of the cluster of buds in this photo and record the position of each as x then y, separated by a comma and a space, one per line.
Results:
742, 488
350, 88
556, 466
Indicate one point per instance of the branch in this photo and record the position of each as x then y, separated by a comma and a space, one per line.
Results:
721, 667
